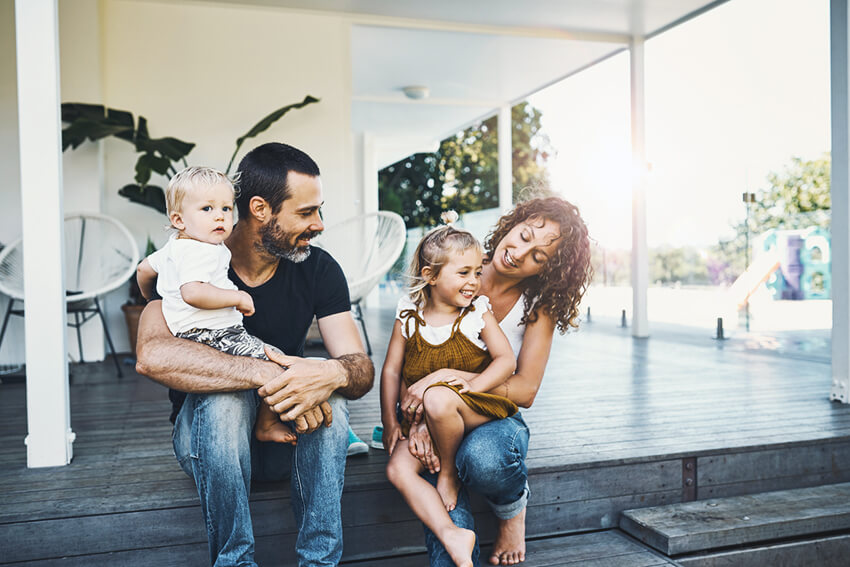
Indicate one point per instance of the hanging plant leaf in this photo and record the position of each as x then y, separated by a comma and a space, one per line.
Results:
149, 195
266, 122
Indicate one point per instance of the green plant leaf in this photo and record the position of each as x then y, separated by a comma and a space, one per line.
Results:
149, 195
82, 129
266, 122
171, 148
93, 122
148, 163
123, 118
75, 110
142, 130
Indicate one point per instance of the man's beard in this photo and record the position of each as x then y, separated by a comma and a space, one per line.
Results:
276, 242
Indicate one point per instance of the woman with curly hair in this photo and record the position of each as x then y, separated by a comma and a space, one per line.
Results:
536, 271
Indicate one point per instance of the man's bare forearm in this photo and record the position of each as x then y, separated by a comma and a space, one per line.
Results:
360, 374
192, 367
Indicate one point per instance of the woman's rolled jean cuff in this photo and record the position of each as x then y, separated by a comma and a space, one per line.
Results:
508, 511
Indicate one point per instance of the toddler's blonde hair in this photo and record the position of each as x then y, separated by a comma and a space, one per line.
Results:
191, 179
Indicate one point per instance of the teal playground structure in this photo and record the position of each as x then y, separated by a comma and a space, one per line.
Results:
804, 270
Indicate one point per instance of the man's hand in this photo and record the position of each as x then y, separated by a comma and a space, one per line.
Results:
302, 387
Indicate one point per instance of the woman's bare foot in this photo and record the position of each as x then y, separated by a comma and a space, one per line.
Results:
509, 548
448, 485
459, 543
276, 431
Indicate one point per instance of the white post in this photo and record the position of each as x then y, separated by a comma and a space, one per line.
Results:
370, 195
49, 440
370, 174
640, 252
505, 159
840, 179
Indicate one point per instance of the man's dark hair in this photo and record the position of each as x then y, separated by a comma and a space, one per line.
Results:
263, 172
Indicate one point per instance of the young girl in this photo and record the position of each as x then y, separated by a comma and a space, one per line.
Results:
443, 325
199, 302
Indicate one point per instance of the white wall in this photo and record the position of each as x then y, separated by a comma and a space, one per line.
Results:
204, 73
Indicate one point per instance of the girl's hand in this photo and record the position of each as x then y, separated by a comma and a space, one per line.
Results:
464, 385
391, 436
420, 447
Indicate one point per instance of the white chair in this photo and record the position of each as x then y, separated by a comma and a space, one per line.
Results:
100, 255
366, 247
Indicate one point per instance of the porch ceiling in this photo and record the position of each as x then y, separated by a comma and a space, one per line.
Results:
474, 55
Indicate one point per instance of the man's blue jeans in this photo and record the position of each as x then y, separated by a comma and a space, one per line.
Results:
490, 461
214, 443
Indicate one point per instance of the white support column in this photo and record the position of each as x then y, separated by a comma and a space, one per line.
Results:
49, 440
505, 159
640, 252
840, 179
370, 173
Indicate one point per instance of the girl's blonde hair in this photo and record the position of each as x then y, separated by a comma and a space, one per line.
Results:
433, 252
191, 179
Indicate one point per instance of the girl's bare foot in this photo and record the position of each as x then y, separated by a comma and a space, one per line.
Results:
459, 543
509, 548
448, 485
276, 431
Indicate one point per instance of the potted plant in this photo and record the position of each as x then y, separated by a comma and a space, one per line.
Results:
156, 155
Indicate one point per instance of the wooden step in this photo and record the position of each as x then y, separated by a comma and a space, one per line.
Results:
600, 549
741, 520
830, 551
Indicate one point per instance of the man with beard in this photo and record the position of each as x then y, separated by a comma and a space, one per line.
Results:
280, 196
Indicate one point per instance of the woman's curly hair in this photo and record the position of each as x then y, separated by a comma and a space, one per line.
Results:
558, 288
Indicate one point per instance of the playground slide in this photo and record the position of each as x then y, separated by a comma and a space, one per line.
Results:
756, 274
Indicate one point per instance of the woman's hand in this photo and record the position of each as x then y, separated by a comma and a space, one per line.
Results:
391, 436
411, 403
419, 444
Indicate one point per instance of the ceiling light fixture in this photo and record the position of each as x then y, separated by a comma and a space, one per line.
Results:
415, 92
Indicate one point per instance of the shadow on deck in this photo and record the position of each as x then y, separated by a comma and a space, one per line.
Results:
619, 423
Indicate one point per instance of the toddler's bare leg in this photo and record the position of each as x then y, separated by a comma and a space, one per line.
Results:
269, 427
403, 472
448, 418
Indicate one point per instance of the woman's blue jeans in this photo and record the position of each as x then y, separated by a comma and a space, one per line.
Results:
491, 462
214, 443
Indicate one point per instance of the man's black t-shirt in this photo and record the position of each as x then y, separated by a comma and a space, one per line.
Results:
286, 304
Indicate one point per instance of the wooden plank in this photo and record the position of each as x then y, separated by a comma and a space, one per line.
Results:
602, 549
712, 524
755, 471
830, 551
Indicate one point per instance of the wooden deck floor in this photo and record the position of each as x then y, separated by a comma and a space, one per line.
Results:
619, 423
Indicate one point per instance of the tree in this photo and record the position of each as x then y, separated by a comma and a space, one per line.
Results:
463, 174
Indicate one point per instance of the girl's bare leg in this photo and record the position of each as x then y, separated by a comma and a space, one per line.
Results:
403, 471
449, 418
269, 427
